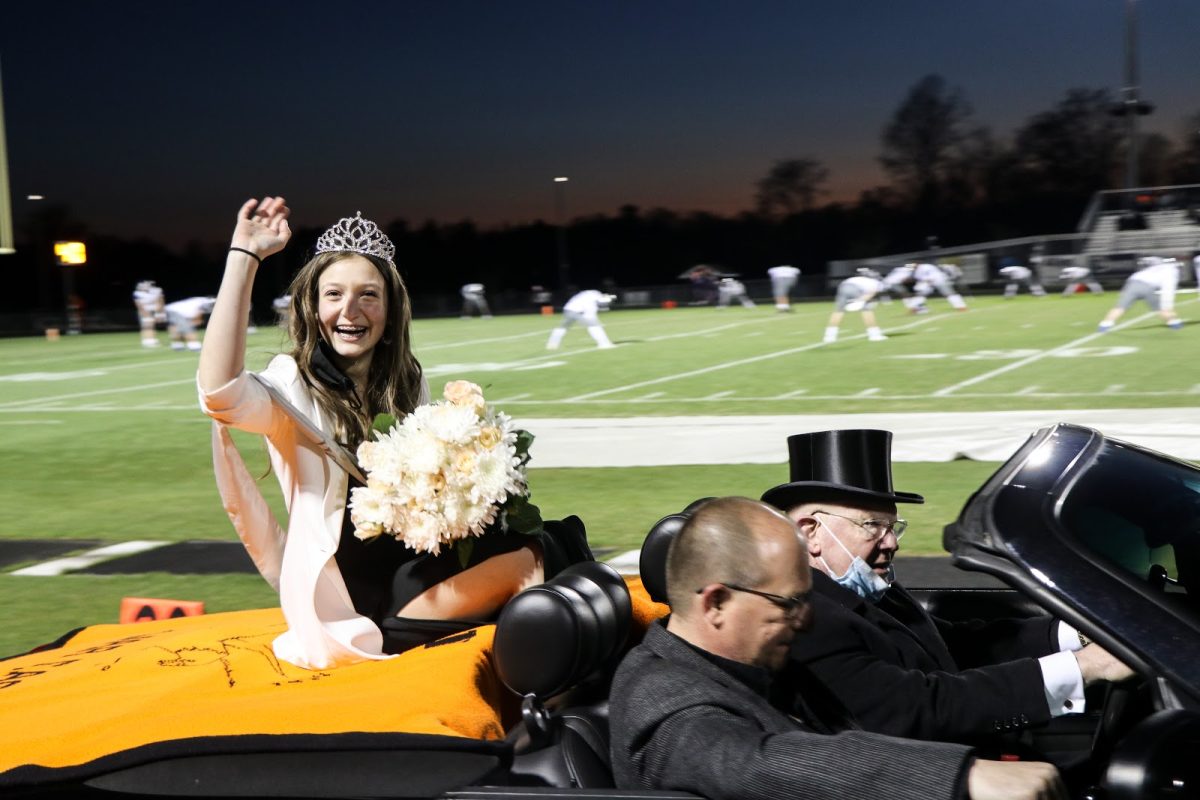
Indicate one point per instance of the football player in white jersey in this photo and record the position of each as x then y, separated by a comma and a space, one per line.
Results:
857, 293
183, 317
1154, 283
930, 278
730, 289
474, 301
783, 278
1078, 278
1018, 276
148, 299
583, 308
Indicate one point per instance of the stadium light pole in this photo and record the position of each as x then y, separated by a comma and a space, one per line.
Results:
6, 221
1130, 106
560, 212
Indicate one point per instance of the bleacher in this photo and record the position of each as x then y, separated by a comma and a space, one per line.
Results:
1154, 221
1117, 228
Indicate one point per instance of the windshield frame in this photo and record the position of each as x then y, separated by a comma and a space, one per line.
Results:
1012, 527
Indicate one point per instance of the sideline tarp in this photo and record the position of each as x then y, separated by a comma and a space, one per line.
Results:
919, 436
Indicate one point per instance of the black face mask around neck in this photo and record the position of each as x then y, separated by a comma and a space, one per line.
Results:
326, 370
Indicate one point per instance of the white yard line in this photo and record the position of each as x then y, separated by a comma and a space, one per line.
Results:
653, 398
22, 404
609, 324
708, 331
129, 351
947, 390
158, 362
420, 348
58, 566
730, 364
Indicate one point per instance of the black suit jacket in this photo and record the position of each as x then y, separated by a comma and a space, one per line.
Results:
678, 721
902, 672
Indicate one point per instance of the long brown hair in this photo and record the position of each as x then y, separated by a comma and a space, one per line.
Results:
394, 378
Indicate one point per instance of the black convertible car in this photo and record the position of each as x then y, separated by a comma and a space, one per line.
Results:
1098, 532
1105, 535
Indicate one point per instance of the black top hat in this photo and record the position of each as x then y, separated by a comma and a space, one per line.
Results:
854, 464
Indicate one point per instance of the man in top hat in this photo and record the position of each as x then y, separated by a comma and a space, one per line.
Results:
897, 669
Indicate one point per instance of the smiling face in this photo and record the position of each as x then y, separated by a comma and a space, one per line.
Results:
352, 310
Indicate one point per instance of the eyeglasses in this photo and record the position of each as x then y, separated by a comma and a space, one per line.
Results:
875, 529
789, 605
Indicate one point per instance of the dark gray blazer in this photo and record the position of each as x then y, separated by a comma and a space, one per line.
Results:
680, 722
902, 672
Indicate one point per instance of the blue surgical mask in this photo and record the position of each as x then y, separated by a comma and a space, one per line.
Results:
858, 577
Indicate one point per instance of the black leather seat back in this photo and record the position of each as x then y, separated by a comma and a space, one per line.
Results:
549, 640
652, 564
551, 637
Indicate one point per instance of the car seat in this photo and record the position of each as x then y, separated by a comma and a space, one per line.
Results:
652, 563
556, 645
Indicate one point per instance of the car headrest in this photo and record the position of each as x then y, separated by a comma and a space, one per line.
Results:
551, 637
652, 564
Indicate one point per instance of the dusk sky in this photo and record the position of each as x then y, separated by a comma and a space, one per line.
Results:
158, 118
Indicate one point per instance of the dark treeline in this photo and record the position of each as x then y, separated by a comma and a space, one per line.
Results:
948, 177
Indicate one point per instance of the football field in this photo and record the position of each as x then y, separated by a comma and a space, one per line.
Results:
1027, 352
104, 442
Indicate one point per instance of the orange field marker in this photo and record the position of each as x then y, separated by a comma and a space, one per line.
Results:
147, 609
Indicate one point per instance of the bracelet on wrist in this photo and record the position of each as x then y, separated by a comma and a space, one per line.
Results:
1083, 640
247, 252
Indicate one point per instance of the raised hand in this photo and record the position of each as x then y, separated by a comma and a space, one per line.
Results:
262, 227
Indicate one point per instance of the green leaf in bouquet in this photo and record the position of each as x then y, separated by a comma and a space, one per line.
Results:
383, 423
464, 548
524, 441
522, 516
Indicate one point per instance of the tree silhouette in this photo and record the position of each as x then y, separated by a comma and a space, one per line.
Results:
792, 185
1185, 164
923, 144
1074, 148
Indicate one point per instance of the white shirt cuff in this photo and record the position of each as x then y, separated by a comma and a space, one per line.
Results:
1063, 683
1068, 637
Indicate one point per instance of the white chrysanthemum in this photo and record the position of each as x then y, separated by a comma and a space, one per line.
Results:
453, 424
370, 511
423, 533
493, 476
441, 474
423, 452
483, 515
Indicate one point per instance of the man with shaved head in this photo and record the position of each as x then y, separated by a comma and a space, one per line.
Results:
691, 706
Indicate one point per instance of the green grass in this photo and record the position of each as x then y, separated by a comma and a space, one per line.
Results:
104, 440
617, 505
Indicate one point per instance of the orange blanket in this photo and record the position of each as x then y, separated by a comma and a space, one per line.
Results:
114, 688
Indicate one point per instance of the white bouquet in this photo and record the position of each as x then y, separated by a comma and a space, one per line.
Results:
445, 474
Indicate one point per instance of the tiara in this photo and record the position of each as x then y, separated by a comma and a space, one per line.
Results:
356, 235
